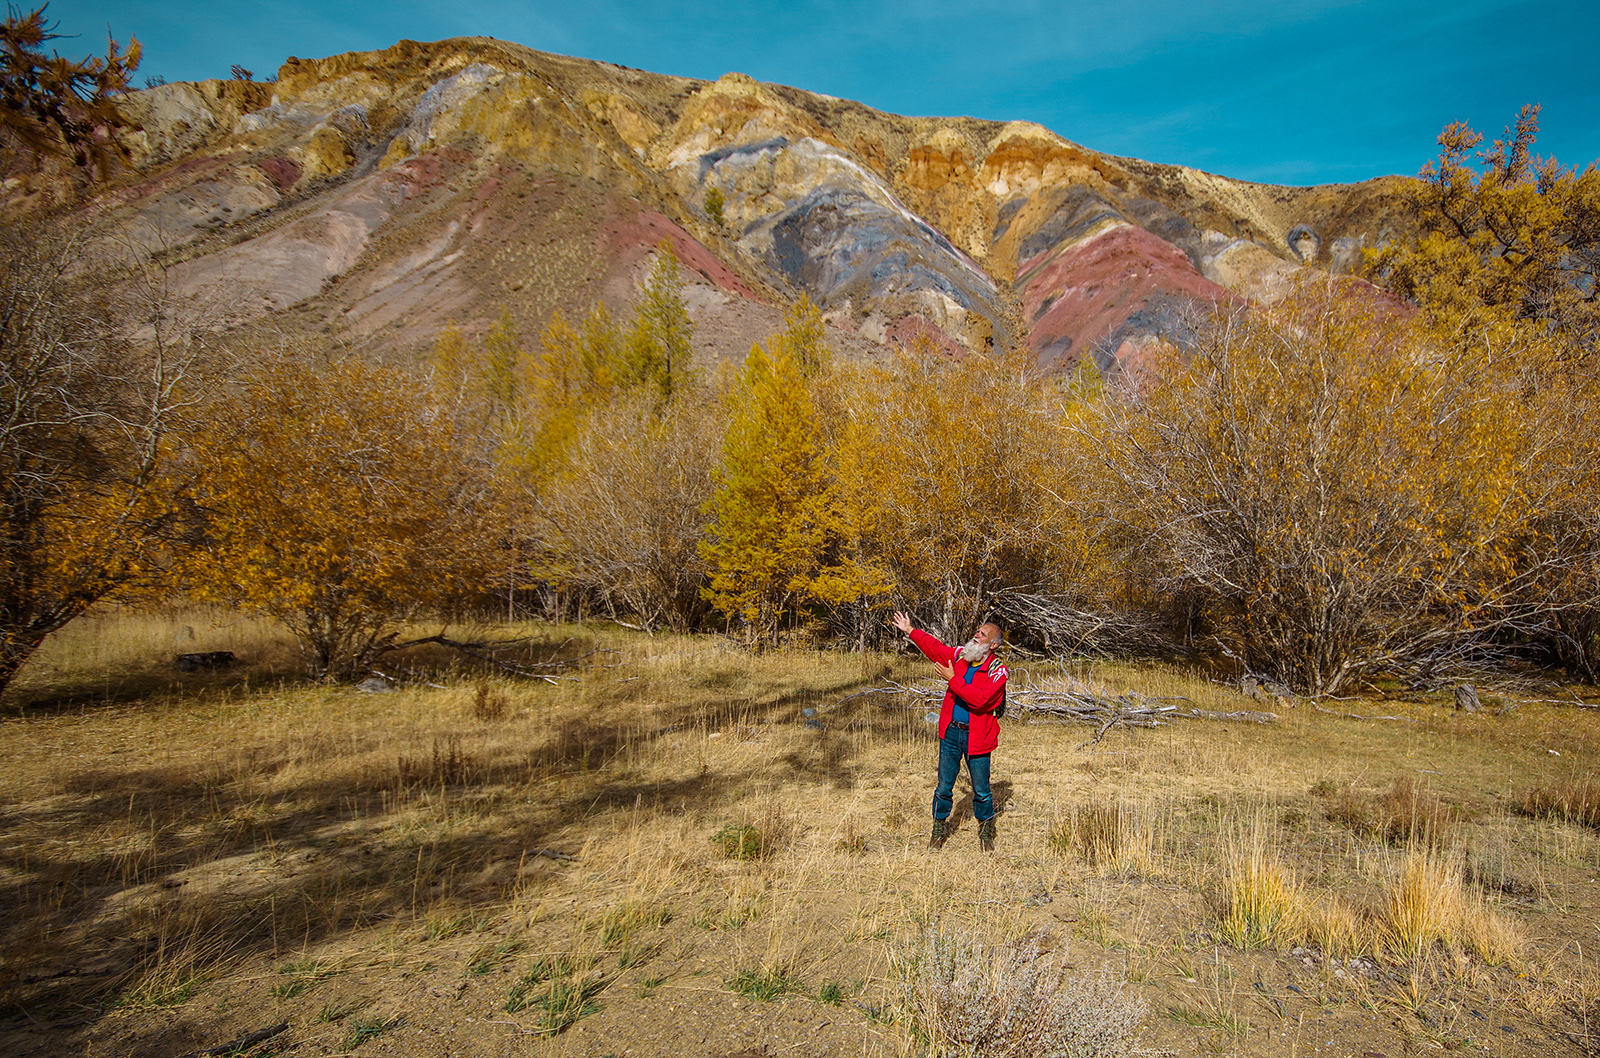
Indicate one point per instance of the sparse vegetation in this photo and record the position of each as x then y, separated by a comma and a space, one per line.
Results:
740, 863
714, 202
360, 1030
301, 976
766, 983
1573, 801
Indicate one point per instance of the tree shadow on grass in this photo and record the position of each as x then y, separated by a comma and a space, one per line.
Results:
136, 683
160, 873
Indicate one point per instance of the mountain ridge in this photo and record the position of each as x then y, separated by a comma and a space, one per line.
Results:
396, 191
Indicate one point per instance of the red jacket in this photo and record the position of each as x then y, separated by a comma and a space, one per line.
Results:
981, 694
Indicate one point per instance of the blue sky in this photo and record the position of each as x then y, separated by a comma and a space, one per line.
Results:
1283, 91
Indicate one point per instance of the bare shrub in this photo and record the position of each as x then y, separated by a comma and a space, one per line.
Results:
1349, 809
488, 704
1015, 1000
448, 765
625, 516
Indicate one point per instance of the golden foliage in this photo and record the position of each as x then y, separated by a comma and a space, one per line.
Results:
1516, 238
1341, 490
768, 512
94, 389
339, 499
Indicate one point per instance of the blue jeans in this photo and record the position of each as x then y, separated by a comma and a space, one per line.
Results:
952, 749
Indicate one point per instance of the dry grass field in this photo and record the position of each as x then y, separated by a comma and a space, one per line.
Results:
660, 855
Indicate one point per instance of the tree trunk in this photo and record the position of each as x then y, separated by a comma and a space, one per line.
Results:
15, 650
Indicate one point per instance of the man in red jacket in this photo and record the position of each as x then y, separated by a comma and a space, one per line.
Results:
968, 729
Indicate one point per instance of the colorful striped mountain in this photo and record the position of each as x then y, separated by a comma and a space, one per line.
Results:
384, 195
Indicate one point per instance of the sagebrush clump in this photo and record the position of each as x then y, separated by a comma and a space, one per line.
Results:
1015, 1000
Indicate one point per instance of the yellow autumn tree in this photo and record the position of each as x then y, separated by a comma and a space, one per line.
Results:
768, 513
804, 339
1505, 268
963, 451
1505, 236
337, 497
97, 381
575, 372
853, 576
487, 377
1340, 487
659, 351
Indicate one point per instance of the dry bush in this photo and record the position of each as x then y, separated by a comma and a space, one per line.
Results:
1406, 813
447, 765
1325, 485
1572, 801
488, 704
1412, 814
1014, 1001
624, 517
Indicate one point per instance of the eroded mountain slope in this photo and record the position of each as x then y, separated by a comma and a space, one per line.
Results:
393, 192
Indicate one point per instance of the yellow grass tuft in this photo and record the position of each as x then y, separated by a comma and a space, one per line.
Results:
1427, 903
1264, 904
1420, 904
1335, 928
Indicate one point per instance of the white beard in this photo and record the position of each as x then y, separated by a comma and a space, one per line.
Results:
973, 653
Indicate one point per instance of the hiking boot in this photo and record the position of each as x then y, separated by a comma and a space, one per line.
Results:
986, 835
941, 831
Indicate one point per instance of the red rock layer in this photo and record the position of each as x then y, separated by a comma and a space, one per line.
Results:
631, 238
1077, 297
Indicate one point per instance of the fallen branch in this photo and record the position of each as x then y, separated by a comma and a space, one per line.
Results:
1067, 701
1358, 716
562, 857
547, 671
249, 1039
1247, 715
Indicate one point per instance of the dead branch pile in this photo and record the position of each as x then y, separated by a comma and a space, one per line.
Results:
1064, 700
1063, 629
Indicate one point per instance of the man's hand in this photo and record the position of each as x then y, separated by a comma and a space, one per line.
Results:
948, 671
902, 621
